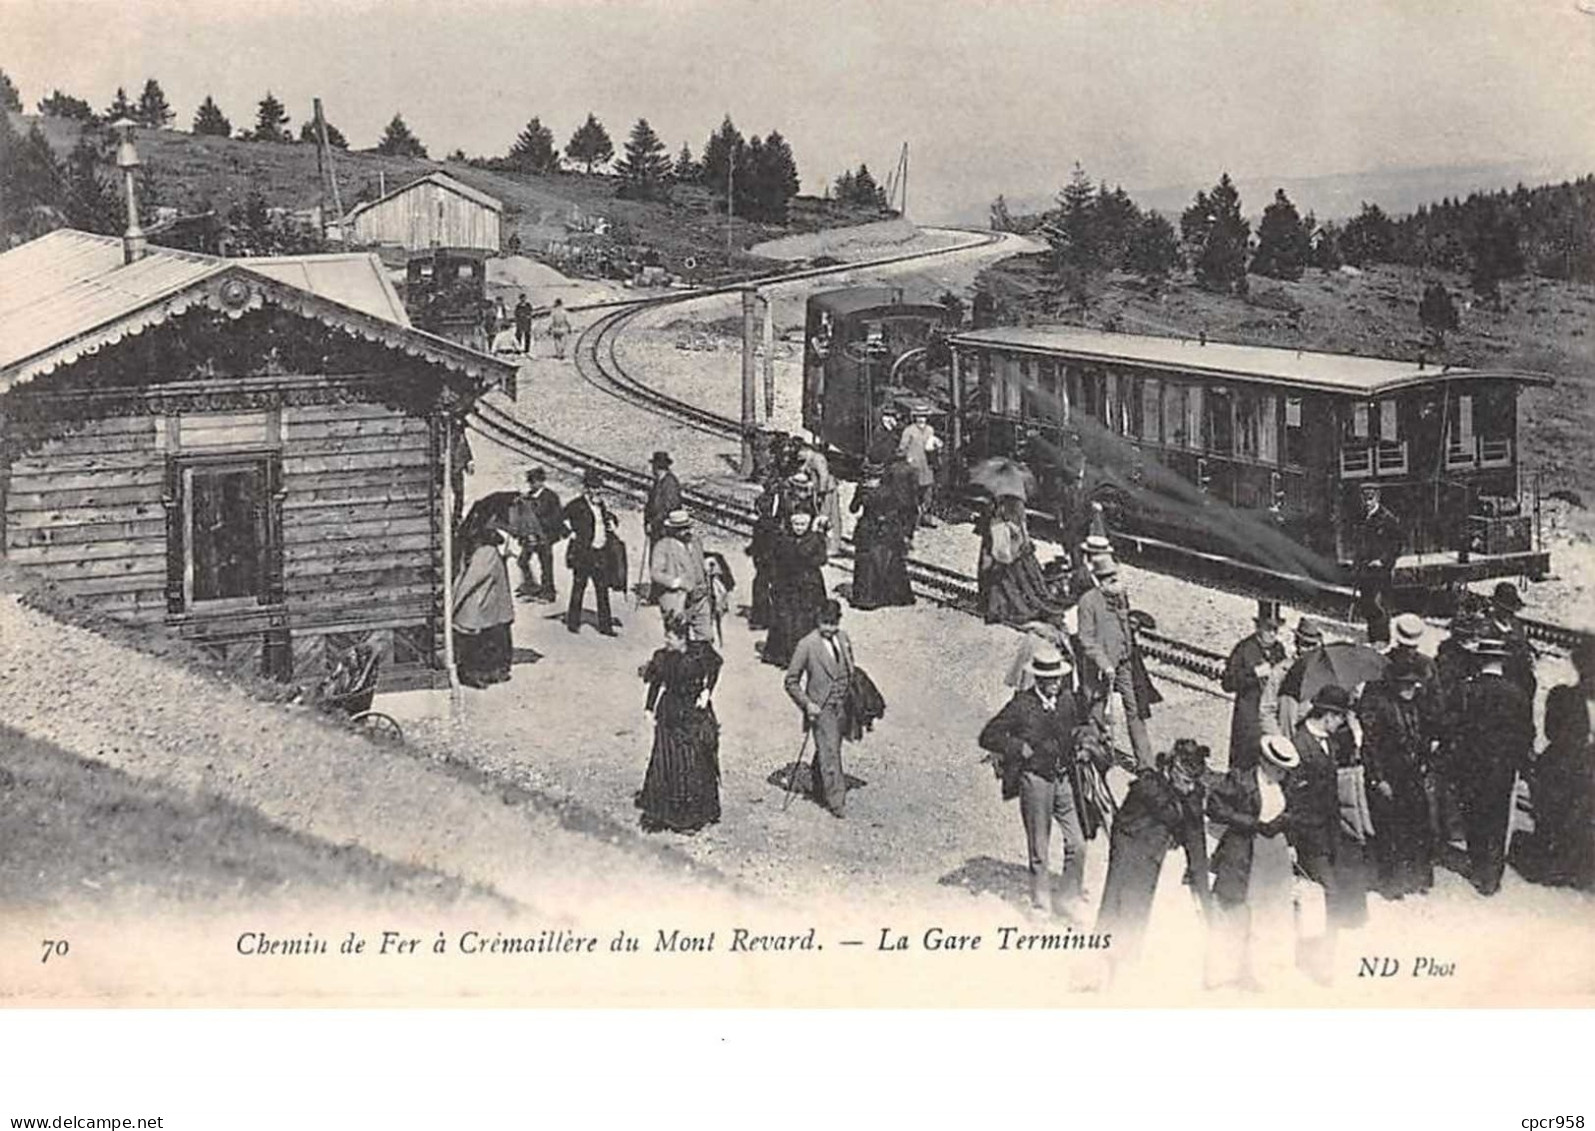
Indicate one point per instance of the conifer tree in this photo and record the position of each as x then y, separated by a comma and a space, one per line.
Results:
10, 97
209, 121
398, 141
60, 105
687, 171
152, 109
1284, 241
645, 167
533, 151
335, 138
271, 121
1220, 259
720, 156
590, 146
120, 108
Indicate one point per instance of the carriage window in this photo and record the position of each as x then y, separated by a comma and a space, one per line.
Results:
1051, 391
1359, 420
1295, 434
1193, 416
1218, 433
1496, 418
1151, 392
1461, 449
1292, 412
1013, 384
1255, 436
1178, 433
1130, 406
1388, 427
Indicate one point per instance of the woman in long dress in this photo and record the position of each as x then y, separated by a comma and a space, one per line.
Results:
880, 574
1163, 808
681, 788
1253, 919
484, 611
1015, 589
797, 588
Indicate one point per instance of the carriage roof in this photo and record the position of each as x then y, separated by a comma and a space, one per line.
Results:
858, 300
1305, 369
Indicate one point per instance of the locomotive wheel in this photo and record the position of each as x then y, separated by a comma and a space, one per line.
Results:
383, 728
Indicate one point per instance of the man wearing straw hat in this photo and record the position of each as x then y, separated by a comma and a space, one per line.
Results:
680, 577
1033, 739
1107, 640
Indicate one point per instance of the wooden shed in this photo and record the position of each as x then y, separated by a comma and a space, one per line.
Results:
435, 211
249, 452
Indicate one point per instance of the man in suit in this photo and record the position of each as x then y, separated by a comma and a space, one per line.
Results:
1251, 665
591, 526
1379, 538
680, 577
664, 497
1495, 741
817, 679
1108, 642
538, 521
1505, 604
1033, 736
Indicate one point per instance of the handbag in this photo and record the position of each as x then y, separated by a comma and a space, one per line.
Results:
614, 570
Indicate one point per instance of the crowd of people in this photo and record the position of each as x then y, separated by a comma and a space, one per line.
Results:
1351, 769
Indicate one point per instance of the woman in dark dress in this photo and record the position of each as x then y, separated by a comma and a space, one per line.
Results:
797, 588
484, 610
880, 572
1163, 808
681, 789
1563, 780
1015, 589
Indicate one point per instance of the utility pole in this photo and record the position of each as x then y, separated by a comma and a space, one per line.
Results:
324, 167
769, 358
731, 170
750, 303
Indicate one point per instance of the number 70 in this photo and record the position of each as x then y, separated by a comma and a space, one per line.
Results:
54, 947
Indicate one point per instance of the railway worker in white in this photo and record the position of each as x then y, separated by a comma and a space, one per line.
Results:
918, 444
680, 578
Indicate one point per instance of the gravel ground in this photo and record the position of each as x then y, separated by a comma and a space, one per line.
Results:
862, 241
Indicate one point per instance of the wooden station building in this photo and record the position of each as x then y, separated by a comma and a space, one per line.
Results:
250, 452
434, 211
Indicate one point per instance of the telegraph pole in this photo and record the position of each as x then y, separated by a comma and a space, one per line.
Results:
750, 314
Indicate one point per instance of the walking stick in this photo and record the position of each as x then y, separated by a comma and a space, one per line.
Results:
644, 564
791, 777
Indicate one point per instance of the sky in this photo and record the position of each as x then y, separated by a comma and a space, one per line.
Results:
990, 96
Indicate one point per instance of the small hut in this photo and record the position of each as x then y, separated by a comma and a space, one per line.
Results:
252, 453
435, 211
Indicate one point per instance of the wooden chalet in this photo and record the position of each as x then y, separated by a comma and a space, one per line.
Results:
435, 211
249, 452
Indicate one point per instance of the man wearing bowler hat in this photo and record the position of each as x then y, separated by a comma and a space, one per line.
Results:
1379, 538
538, 521
817, 680
1309, 639
1033, 739
1251, 664
1505, 604
592, 526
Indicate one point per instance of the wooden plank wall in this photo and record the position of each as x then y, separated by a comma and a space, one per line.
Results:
410, 220
85, 509
360, 553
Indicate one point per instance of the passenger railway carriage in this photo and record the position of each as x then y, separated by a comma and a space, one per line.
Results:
1216, 446
1257, 456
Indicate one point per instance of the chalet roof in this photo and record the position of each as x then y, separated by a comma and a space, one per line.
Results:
68, 294
1306, 369
442, 180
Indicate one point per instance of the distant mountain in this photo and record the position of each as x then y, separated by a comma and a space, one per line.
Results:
1337, 196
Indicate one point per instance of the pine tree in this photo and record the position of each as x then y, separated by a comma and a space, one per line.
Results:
644, 169
720, 155
1284, 242
1368, 237
1221, 261
10, 97
30, 184
120, 108
1326, 247
1154, 252
1437, 312
1115, 225
1071, 228
152, 109
398, 141
91, 201
687, 171
335, 138
60, 105
533, 151
1497, 252
866, 192
209, 121
778, 180
271, 121
1001, 218
590, 146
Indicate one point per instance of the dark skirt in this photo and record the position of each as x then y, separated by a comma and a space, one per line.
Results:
483, 658
681, 789
880, 571
794, 613
1134, 864
1017, 593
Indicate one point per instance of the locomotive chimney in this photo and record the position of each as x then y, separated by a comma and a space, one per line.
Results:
133, 243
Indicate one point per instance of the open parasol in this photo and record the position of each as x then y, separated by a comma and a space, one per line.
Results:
1341, 663
1001, 476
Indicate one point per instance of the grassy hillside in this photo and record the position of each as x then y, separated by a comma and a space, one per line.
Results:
1543, 325
192, 172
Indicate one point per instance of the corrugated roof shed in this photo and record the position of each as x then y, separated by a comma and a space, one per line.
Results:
356, 280
1329, 372
442, 180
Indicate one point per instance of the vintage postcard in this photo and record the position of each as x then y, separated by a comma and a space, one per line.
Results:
773, 505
